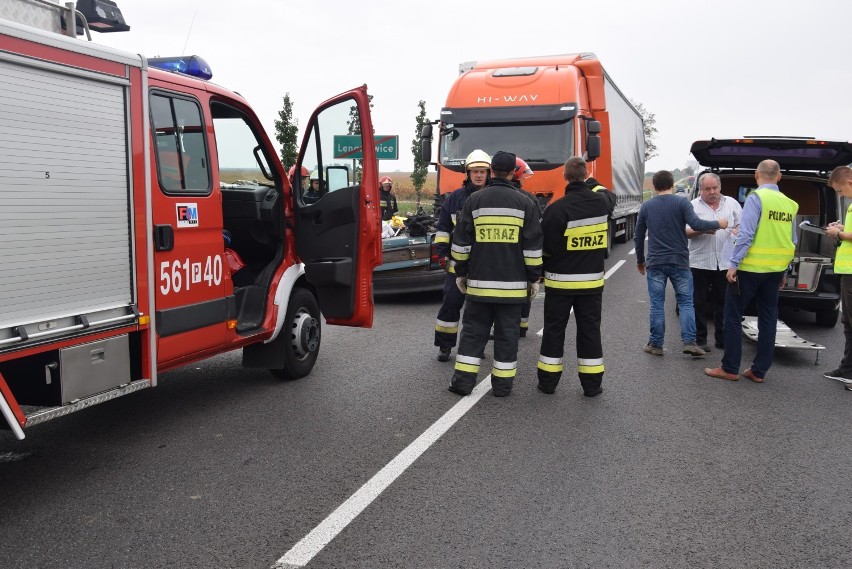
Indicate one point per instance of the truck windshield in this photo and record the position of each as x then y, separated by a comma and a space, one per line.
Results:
535, 143
540, 134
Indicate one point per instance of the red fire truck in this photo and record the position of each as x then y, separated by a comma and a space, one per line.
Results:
146, 222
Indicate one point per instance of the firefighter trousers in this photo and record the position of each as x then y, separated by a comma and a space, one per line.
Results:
478, 319
587, 317
447, 324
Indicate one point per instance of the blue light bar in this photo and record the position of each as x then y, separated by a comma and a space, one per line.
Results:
187, 64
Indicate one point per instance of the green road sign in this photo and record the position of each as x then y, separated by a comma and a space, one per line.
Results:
387, 147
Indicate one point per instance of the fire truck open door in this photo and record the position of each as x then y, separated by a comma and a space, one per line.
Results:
337, 222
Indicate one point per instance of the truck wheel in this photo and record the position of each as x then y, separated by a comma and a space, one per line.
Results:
303, 325
827, 318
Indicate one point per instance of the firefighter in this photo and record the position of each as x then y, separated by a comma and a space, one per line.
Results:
303, 179
477, 165
387, 201
314, 192
521, 172
575, 242
497, 252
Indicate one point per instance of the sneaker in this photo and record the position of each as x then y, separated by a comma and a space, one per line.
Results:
838, 375
705, 347
652, 349
693, 350
444, 354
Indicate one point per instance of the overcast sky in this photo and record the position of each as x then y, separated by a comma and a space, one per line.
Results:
712, 69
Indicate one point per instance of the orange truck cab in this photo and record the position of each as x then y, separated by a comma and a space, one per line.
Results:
545, 110
147, 222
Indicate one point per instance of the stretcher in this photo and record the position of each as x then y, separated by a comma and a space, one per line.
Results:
785, 337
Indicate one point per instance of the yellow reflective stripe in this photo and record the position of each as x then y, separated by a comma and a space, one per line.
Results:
442, 237
598, 188
503, 372
553, 368
533, 261
549, 283
496, 292
448, 327
498, 220
590, 365
524, 324
460, 256
467, 367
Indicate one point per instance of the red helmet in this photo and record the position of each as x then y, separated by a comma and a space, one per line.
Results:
292, 171
522, 170
385, 180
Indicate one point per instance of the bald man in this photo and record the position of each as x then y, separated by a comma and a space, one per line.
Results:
765, 247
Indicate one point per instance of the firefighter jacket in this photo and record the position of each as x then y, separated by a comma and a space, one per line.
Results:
387, 201
575, 241
596, 186
450, 209
497, 244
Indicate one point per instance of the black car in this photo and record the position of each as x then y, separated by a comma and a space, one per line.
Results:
805, 166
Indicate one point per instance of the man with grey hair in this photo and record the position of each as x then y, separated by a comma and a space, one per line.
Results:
708, 257
575, 243
766, 243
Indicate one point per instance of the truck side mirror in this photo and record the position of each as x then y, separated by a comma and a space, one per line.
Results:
593, 141
426, 143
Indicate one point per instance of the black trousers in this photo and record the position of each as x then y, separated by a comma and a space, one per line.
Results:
587, 317
476, 328
846, 319
708, 297
447, 324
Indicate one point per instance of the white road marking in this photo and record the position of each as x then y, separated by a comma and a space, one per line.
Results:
614, 268
305, 550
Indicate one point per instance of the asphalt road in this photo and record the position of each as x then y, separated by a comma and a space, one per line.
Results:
225, 467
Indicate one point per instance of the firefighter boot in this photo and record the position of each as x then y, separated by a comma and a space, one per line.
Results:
444, 354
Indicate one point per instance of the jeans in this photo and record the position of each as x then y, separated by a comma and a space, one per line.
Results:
763, 288
681, 279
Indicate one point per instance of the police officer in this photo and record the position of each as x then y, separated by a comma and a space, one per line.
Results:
575, 241
521, 172
387, 201
477, 167
497, 253
765, 245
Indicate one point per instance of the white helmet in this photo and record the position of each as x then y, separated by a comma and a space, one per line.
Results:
477, 159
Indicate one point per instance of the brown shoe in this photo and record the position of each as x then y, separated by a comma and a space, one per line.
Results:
750, 374
721, 374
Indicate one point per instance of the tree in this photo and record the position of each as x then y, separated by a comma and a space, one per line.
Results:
418, 176
287, 133
649, 122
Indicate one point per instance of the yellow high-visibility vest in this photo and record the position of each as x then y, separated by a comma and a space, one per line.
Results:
772, 248
843, 260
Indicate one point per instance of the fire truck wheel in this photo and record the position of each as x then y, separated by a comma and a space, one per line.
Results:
303, 324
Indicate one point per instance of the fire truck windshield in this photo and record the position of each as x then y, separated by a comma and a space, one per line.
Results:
539, 143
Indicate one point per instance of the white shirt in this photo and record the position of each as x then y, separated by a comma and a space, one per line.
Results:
705, 250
